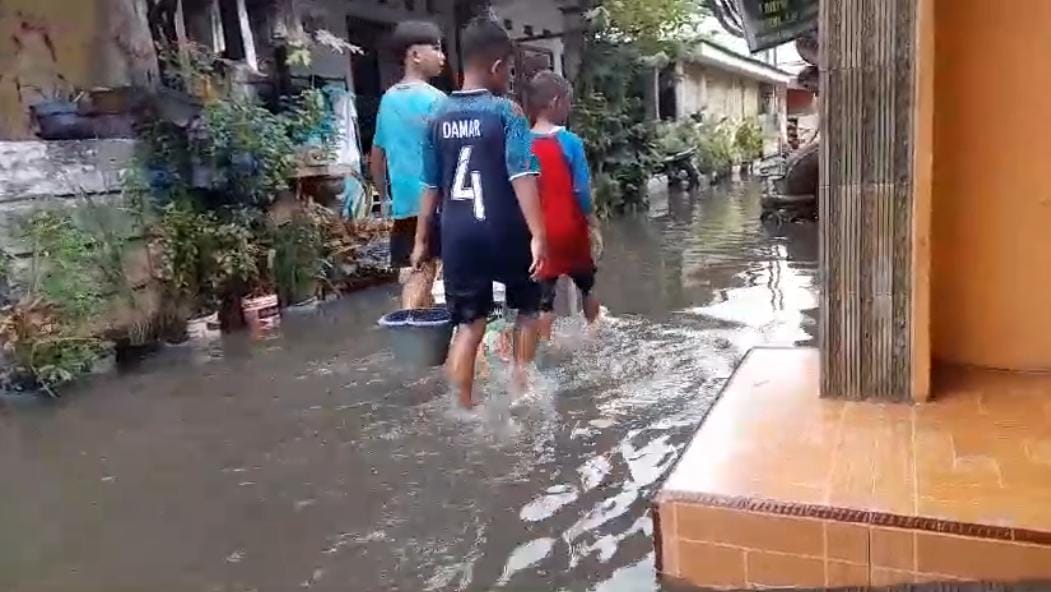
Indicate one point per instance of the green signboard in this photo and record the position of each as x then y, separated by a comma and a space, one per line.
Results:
768, 23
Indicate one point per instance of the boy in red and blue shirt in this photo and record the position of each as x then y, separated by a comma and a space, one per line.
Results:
565, 197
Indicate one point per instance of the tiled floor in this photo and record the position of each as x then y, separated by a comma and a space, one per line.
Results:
780, 487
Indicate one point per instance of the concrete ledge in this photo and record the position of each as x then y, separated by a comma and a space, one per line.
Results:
34, 169
780, 488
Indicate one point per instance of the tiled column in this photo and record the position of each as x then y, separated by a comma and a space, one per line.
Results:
869, 343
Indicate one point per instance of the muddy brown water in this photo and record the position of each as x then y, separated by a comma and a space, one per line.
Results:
310, 462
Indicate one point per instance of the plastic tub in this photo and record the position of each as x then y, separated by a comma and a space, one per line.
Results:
420, 338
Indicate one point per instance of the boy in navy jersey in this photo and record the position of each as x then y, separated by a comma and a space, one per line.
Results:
478, 161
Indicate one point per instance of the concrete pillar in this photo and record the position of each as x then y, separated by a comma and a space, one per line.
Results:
572, 40
873, 346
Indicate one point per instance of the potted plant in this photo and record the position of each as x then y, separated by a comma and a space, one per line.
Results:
57, 114
298, 261
183, 238
239, 263
247, 150
48, 336
749, 143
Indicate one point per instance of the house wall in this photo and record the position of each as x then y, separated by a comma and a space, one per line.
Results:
991, 254
46, 45
718, 93
539, 15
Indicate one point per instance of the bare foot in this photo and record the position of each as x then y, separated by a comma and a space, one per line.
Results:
466, 401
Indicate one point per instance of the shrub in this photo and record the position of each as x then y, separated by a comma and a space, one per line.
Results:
748, 140
610, 118
717, 152
246, 149
298, 258
48, 335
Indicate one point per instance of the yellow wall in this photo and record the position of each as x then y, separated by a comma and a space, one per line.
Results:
88, 43
991, 226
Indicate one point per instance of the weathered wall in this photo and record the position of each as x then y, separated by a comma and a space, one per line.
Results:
47, 45
37, 174
718, 93
992, 197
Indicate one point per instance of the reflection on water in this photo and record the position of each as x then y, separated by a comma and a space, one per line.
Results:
308, 462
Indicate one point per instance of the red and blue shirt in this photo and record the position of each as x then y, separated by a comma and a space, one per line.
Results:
565, 197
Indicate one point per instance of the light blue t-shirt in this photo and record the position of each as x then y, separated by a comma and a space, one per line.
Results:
401, 125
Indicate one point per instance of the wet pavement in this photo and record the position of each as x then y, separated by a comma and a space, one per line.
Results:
310, 462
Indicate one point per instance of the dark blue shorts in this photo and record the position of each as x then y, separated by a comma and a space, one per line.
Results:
469, 301
584, 280
403, 240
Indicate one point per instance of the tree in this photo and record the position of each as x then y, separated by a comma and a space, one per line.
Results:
651, 24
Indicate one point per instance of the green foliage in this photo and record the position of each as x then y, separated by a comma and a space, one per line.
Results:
190, 67
309, 121
62, 269
677, 137
749, 139
717, 151
300, 47
620, 143
208, 257
235, 257
247, 149
179, 240
651, 25
299, 262
162, 171
58, 361
48, 335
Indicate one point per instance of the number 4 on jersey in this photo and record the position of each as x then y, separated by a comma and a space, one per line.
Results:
464, 192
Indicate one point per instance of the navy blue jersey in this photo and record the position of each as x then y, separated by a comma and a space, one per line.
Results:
477, 145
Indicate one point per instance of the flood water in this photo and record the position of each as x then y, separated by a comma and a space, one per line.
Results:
310, 462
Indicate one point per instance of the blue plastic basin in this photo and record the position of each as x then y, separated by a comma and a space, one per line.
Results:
421, 337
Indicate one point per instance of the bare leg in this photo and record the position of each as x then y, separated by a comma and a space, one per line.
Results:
417, 284
592, 309
462, 356
545, 325
525, 344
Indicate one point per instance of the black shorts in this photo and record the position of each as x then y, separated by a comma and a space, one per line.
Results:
403, 240
473, 300
584, 280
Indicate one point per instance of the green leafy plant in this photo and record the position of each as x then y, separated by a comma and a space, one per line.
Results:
63, 258
299, 262
247, 149
620, 142
651, 25
749, 139
48, 335
310, 122
236, 258
300, 46
717, 151
180, 237
190, 67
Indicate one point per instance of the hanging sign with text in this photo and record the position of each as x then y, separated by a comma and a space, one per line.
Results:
769, 23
